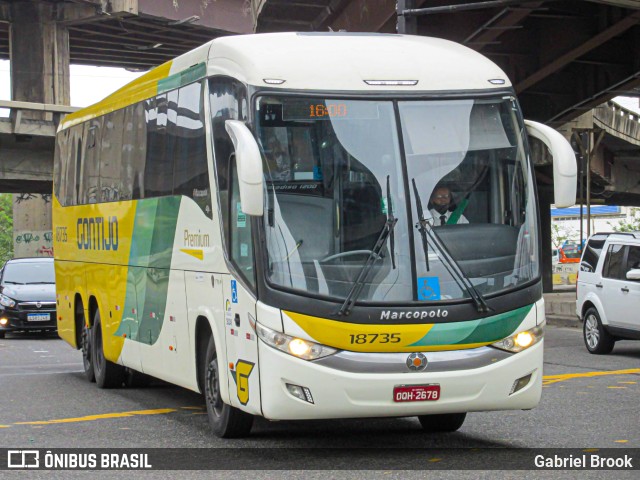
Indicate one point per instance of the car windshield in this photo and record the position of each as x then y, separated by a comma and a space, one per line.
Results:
28, 273
345, 180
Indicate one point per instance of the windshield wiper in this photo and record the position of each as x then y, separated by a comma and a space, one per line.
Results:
387, 230
448, 261
41, 283
13, 283
391, 218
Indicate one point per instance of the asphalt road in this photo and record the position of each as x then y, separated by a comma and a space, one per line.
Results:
45, 402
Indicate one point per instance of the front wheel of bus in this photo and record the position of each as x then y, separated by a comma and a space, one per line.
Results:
225, 421
445, 422
108, 374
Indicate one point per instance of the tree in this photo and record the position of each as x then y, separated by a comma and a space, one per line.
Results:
629, 224
558, 237
6, 227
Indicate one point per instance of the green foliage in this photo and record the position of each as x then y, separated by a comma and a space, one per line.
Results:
558, 237
630, 224
6, 227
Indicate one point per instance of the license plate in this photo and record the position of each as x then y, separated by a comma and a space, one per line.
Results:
416, 393
38, 317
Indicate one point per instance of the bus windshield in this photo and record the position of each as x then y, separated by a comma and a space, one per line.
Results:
410, 200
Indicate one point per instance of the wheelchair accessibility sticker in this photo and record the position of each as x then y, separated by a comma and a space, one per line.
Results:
234, 291
428, 288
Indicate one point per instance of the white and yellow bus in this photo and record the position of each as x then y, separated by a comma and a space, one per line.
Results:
252, 221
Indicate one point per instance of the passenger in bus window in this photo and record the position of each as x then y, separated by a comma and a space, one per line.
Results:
443, 208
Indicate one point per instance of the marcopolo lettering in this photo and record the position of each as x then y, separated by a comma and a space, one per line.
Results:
97, 233
415, 315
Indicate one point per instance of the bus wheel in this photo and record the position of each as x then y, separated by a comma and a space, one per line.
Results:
108, 374
445, 422
87, 361
85, 344
225, 420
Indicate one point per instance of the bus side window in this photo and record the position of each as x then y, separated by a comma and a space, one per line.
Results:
241, 246
228, 102
158, 172
190, 170
134, 153
88, 192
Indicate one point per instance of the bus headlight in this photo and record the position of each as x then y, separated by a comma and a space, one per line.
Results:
6, 301
292, 345
522, 340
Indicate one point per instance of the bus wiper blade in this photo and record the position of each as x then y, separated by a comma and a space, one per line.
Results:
390, 217
422, 224
426, 232
452, 266
356, 289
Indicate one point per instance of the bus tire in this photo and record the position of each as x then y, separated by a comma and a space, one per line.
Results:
225, 421
85, 344
444, 422
597, 340
87, 356
108, 374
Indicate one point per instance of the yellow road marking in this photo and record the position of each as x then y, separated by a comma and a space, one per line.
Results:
616, 387
549, 379
90, 418
5, 426
629, 383
621, 441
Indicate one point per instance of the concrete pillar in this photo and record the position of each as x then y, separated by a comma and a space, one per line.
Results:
39, 53
545, 199
32, 235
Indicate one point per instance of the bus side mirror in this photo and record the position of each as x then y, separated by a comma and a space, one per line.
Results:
565, 170
249, 164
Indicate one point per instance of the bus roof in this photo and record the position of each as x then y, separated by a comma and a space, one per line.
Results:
332, 61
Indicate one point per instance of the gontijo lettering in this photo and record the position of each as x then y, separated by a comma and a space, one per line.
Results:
97, 233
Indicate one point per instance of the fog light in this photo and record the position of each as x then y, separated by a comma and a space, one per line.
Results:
520, 383
4, 322
303, 393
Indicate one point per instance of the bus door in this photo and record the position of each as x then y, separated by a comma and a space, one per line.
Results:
242, 346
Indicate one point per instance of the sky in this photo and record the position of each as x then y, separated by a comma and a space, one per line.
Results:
88, 84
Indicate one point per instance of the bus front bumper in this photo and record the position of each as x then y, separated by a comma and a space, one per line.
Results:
343, 394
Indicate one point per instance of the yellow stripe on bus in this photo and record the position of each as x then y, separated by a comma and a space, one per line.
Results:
140, 89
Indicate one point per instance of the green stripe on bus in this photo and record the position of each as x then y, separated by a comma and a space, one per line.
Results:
185, 77
485, 330
150, 262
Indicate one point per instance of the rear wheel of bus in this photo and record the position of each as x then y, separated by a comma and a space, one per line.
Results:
446, 422
85, 343
225, 421
108, 374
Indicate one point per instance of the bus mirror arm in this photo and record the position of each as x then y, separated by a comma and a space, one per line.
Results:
564, 162
249, 165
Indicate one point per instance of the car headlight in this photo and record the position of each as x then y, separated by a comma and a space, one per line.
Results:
522, 340
292, 345
6, 301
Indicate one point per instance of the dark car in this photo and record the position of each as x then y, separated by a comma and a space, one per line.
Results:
27, 296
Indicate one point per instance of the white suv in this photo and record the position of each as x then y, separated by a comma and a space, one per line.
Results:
608, 291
